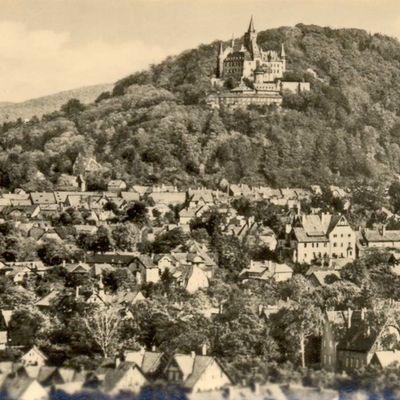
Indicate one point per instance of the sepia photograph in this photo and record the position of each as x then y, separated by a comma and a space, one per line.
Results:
199, 199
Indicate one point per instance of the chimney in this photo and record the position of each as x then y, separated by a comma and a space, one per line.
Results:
77, 292
204, 349
192, 354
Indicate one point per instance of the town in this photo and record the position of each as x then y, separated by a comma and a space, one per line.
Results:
223, 224
111, 291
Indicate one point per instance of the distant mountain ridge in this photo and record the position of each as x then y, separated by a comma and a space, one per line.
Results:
47, 104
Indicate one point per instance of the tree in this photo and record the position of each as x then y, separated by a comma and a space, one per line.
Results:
103, 328
72, 107
103, 240
125, 236
394, 193
24, 325
53, 252
167, 241
137, 213
301, 321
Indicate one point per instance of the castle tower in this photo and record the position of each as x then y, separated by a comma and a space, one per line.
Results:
283, 57
220, 68
258, 75
250, 40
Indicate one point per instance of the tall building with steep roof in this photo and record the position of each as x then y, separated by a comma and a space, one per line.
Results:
241, 61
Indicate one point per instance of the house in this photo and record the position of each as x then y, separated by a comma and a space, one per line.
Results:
265, 270
39, 198
168, 198
130, 196
20, 212
79, 268
98, 269
321, 278
48, 300
150, 362
338, 192
24, 389
335, 324
34, 357
126, 377
267, 236
144, 269
197, 373
380, 238
383, 359
141, 190
322, 237
366, 336
129, 298
5, 317
71, 183
116, 185
194, 278
112, 258
86, 165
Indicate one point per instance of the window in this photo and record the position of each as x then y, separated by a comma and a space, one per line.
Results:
341, 235
349, 235
334, 235
334, 244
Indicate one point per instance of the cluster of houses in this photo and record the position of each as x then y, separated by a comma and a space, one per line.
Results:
199, 376
31, 378
324, 241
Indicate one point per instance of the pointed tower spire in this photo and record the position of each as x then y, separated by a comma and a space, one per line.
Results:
221, 49
251, 25
283, 53
233, 41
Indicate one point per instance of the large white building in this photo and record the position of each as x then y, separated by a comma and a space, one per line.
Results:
322, 237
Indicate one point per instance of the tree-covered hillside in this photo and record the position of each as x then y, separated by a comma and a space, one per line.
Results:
155, 125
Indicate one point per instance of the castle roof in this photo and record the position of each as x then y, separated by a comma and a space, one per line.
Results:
251, 25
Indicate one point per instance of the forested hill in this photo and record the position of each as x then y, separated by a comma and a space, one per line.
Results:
45, 104
155, 126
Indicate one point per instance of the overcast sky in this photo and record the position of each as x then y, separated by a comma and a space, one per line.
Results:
51, 45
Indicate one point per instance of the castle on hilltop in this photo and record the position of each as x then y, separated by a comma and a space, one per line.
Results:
260, 74
241, 62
